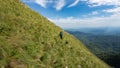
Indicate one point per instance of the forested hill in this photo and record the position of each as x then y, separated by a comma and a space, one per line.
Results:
29, 40
105, 46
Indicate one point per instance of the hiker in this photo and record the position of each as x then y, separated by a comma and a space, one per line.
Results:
61, 35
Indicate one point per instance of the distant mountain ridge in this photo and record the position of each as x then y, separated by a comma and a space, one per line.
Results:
104, 45
99, 30
29, 40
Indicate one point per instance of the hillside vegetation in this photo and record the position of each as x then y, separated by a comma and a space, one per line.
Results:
29, 40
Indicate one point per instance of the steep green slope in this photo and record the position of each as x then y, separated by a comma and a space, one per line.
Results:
29, 40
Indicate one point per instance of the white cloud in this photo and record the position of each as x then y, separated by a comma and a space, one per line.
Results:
94, 13
42, 3
94, 3
74, 3
57, 4
60, 4
114, 10
71, 22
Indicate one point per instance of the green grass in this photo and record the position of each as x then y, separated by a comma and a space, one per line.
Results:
29, 40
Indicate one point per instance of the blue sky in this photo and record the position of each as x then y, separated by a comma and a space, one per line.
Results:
79, 13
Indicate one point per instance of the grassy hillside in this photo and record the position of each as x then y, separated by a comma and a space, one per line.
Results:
29, 40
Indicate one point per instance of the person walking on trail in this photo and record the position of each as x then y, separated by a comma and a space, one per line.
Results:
61, 35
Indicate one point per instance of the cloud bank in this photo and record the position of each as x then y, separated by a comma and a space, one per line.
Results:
71, 22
